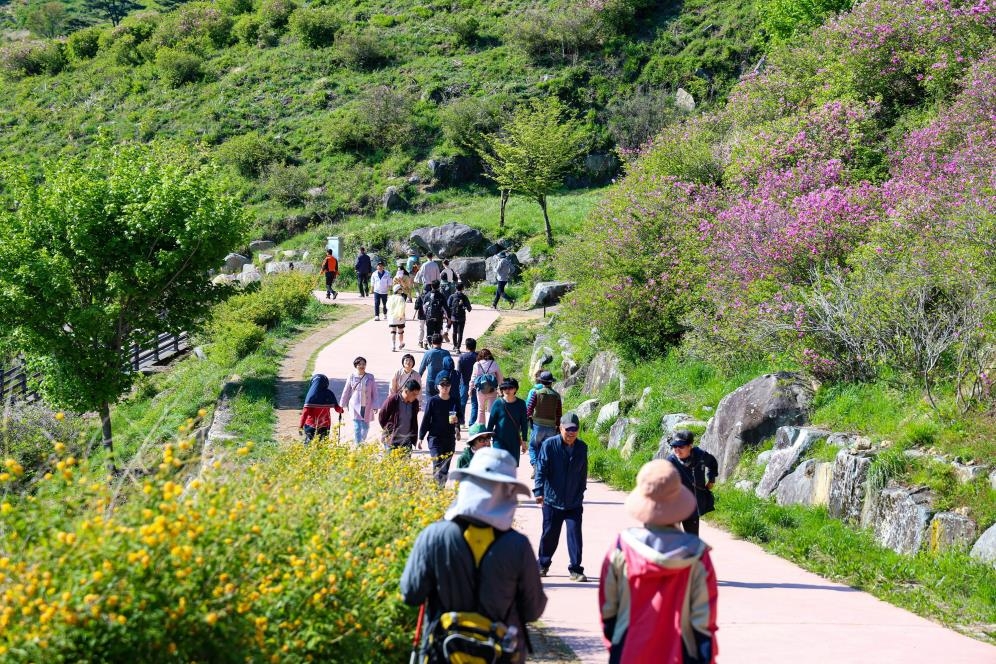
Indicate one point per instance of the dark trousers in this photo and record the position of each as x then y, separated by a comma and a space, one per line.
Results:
433, 327
691, 525
441, 452
364, 283
378, 301
500, 293
472, 397
311, 432
458, 326
329, 280
553, 521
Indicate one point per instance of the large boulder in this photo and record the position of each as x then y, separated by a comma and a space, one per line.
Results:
449, 240
548, 293
848, 485
261, 245
491, 268
525, 255
949, 530
968, 472
807, 485
607, 413
234, 263
900, 517
454, 171
620, 429
791, 444
586, 409
984, 549
470, 270
276, 267
672, 422
250, 274
752, 413
393, 200
604, 368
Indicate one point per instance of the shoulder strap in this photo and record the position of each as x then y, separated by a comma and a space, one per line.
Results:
477, 566
509, 413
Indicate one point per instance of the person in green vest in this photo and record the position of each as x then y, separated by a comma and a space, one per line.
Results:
544, 408
508, 420
479, 437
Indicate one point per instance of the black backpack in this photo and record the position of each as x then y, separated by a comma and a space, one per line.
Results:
434, 307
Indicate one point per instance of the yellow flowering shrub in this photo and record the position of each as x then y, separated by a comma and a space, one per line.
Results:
294, 559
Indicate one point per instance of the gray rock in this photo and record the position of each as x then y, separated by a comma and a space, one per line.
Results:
843, 440
628, 447
949, 530
540, 358
261, 245
234, 263
224, 279
549, 293
848, 485
744, 485
393, 200
967, 473
984, 549
663, 447
289, 254
277, 267
671, 422
644, 398
797, 487
600, 167
900, 518
619, 431
470, 270
501, 245
199, 353
607, 413
525, 255
684, 100
764, 457
250, 274
449, 240
992, 480
791, 444
264, 258
753, 412
491, 267
568, 365
587, 408
453, 171
604, 368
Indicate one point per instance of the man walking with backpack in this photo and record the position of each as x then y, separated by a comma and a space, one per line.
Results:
363, 271
473, 562
434, 306
330, 268
544, 408
458, 305
503, 273
432, 364
698, 470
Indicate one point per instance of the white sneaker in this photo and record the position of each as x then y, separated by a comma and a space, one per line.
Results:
376, 317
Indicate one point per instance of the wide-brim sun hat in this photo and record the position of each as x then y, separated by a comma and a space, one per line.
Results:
496, 465
659, 498
479, 433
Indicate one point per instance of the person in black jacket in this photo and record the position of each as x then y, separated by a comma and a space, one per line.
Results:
363, 270
698, 470
441, 424
459, 305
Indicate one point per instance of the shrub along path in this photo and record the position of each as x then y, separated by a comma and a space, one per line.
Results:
769, 610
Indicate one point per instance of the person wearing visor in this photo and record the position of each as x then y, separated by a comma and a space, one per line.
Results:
698, 470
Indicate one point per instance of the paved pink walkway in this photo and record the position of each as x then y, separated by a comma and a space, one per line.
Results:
770, 611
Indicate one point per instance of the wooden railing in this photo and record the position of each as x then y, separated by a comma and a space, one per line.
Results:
16, 381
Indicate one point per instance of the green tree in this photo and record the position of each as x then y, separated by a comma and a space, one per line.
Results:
48, 19
533, 152
103, 252
114, 10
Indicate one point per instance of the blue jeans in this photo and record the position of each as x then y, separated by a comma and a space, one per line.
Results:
360, 430
553, 521
472, 396
540, 433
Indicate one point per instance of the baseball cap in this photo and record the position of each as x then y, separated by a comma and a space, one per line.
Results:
570, 420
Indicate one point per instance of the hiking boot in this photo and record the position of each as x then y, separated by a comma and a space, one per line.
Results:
544, 571
579, 577
335, 294
402, 345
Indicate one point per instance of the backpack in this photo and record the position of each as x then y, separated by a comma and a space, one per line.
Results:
469, 637
486, 383
434, 307
447, 288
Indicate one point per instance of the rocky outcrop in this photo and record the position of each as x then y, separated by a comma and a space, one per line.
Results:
541, 357
525, 255
791, 444
587, 408
448, 240
549, 293
453, 171
607, 413
604, 368
470, 270
250, 274
752, 413
984, 549
809, 484
848, 485
393, 200
968, 472
673, 421
491, 267
234, 263
620, 430
900, 517
261, 245
950, 530
276, 267
644, 400
684, 101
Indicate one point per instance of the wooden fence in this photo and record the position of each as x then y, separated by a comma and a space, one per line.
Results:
15, 381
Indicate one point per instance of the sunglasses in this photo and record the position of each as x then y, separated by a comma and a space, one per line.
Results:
571, 429
680, 444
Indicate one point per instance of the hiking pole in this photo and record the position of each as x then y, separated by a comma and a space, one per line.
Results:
418, 635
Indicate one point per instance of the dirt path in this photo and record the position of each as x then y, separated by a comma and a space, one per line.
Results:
292, 381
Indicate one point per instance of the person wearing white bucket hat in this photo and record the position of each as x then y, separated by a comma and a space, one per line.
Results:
658, 590
472, 560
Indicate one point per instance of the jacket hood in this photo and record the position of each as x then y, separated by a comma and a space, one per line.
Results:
668, 548
319, 393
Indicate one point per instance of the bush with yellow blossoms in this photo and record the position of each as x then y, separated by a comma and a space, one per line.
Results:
293, 559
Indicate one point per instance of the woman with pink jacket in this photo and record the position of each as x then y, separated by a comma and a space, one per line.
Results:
486, 389
360, 397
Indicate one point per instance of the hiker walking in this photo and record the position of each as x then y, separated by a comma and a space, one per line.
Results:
363, 271
434, 307
360, 396
398, 417
698, 471
657, 590
404, 374
429, 270
561, 480
474, 562
381, 282
446, 289
503, 273
441, 424
458, 305
330, 268
485, 379
403, 279
396, 318
449, 273
544, 407
465, 365
508, 420
316, 416
432, 364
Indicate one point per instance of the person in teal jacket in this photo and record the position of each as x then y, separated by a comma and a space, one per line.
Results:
508, 420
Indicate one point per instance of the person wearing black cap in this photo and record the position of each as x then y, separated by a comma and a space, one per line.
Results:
508, 420
560, 483
544, 408
698, 470
441, 424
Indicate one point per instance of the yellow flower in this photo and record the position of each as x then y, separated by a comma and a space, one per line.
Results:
211, 618
60, 416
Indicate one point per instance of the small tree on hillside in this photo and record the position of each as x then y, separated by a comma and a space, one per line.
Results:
102, 253
533, 152
114, 10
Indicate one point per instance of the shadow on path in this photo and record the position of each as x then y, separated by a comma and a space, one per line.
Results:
789, 586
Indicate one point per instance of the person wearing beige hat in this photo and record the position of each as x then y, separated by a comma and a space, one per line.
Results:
658, 590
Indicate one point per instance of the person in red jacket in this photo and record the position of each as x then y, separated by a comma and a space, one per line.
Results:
658, 590
316, 416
